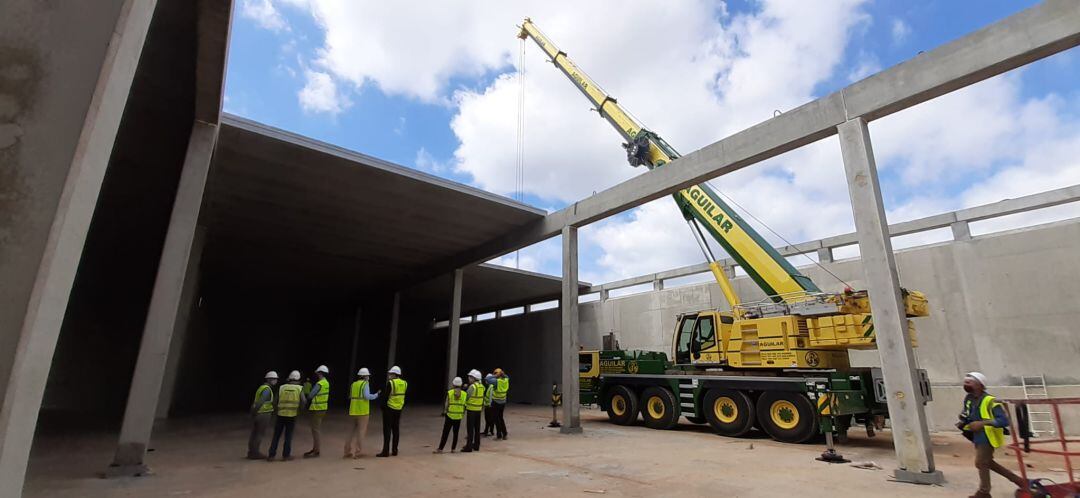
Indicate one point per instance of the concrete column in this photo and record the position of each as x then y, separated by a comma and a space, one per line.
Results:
569, 307
604, 295
165, 309
824, 255
528, 309
355, 341
657, 285
392, 356
961, 230
188, 301
730, 272
498, 314
76, 68
455, 328
911, 439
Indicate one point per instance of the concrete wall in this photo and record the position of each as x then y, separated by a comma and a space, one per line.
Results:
1004, 304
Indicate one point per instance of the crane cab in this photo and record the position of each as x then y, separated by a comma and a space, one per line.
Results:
700, 337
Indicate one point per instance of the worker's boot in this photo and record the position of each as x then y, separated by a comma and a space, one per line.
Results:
256, 456
981, 494
312, 454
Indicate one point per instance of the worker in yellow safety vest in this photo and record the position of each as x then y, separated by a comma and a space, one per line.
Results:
395, 403
474, 404
360, 398
320, 402
454, 410
498, 402
489, 411
287, 406
262, 411
985, 418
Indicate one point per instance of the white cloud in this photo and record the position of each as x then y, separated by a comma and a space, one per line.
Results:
900, 31
427, 162
264, 14
320, 94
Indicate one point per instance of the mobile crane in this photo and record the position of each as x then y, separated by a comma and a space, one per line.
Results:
780, 363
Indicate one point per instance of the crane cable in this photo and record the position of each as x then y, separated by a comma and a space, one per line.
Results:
519, 174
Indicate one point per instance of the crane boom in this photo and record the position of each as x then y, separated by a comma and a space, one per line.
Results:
700, 204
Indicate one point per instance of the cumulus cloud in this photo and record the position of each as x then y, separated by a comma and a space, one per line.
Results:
900, 31
265, 14
320, 94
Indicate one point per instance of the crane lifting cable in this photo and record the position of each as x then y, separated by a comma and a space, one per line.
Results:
519, 173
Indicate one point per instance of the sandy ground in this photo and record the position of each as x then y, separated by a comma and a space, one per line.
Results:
203, 457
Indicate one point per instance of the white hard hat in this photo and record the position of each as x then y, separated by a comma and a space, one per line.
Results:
294, 375
474, 373
457, 382
396, 370
270, 375
363, 371
978, 376
323, 369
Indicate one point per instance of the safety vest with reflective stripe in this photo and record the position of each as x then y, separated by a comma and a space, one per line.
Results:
267, 406
289, 400
487, 396
475, 401
396, 401
322, 398
502, 386
996, 435
455, 404
358, 404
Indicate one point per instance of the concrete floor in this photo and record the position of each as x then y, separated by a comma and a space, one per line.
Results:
202, 457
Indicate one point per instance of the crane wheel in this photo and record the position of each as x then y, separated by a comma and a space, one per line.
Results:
730, 412
622, 405
788, 417
658, 408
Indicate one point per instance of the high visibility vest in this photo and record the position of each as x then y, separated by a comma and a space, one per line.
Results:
502, 386
358, 404
267, 406
455, 404
289, 400
996, 435
487, 396
475, 401
322, 399
396, 401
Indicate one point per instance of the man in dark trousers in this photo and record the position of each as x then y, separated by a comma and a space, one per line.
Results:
453, 410
287, 406
489, 411
474, 405
986, 419
395, 402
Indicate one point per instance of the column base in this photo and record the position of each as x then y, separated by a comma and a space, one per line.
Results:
932, 477
134, 470
570, 430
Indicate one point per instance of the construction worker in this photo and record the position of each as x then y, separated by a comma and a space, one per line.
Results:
489, 411
320, 402
290, 398
360, 398
986, 419
262, 412
498, 402
454, 409
395, 403
474, 404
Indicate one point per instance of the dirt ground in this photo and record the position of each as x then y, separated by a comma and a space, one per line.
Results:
204, 457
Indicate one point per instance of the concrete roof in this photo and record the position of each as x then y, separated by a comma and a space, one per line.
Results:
287, 211
487, 288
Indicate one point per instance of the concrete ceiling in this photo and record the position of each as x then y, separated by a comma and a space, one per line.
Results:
487, 288
285, 211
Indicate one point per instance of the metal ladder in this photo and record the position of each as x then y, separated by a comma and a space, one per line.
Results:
1035, 388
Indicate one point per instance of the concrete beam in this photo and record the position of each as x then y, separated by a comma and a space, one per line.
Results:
48, 297
165, 305
569, 308
911, 438
188, 302
1038, 32
455, 328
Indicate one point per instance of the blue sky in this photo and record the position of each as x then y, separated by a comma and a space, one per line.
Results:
439, 94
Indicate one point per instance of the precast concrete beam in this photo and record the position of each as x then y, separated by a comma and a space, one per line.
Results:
165, 305
911, 438
188, 302
28, 29
452, 340
568, 306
